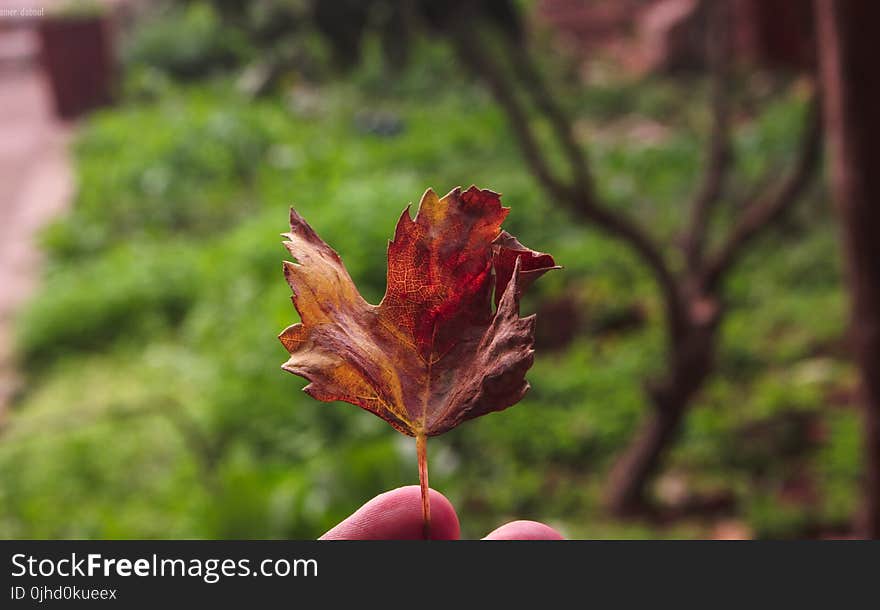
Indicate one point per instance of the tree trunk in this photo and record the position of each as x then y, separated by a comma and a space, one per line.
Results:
692, 362
851, 89
633, 471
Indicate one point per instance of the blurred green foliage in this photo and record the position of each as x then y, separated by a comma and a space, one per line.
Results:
155, 405
186, 41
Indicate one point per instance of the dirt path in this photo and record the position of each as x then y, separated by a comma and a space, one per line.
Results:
35, 183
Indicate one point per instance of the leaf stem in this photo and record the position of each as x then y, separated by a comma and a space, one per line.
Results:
422, 451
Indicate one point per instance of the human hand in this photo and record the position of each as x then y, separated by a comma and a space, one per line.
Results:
397, 515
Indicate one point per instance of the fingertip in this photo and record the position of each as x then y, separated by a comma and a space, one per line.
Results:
397, 515
524, 530
444, 520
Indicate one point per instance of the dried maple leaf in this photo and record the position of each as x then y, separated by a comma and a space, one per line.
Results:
433, 353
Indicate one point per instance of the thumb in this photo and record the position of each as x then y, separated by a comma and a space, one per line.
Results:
397, 515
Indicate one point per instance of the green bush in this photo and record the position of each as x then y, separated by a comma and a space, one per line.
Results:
181, 167
131, 294
186, 42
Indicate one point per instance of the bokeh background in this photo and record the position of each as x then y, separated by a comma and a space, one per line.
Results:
142, 289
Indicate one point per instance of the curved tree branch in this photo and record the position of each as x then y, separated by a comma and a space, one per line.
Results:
719, 154
765, 210
480, 62
583, 202
530, 76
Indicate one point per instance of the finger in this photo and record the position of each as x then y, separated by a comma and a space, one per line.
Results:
397, 515
524, 530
